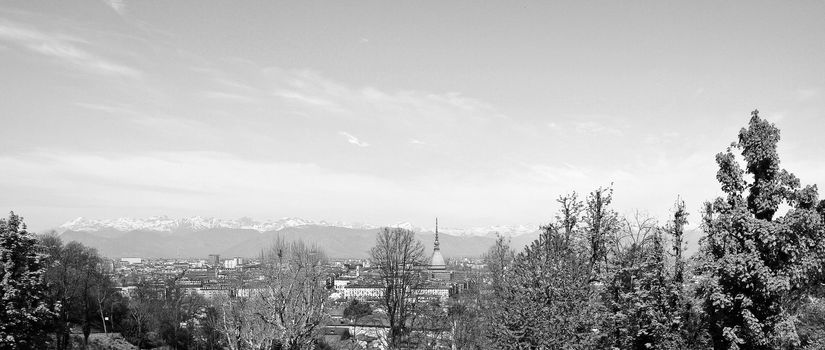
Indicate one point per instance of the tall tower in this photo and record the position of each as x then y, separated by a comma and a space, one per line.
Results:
435, 245
437, 261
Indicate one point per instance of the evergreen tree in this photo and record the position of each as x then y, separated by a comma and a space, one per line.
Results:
755, 264
676, 228
24, 312
602, 224
550, 303
685, 307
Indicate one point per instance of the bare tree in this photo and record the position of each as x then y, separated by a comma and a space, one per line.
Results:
632, 238
396, 253
241, 327
295, 295
102, 292
288, 309
141, 311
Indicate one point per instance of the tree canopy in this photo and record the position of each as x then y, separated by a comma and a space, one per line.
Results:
759, 264
24, 311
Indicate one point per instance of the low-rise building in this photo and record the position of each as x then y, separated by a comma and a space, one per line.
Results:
214, 290
363, 291
439, 291
341, 282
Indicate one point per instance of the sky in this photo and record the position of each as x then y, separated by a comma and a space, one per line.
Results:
480, 113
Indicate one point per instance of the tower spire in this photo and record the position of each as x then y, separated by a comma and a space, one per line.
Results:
437, 261
435, 245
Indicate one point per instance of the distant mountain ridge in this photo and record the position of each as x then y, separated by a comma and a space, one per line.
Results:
164, 237
195, 223
199, 223
337, 242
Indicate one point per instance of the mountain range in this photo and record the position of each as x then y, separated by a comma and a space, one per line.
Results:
199, 223
200, 236
197, 237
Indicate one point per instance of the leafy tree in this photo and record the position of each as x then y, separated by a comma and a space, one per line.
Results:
176, 314
550, 303
56, 277
602, 223
690, 324
86, 279
758, 265
498, 259
811, 324
78, 283
397, 253
357, 309
640, 289
676, 229
24, 310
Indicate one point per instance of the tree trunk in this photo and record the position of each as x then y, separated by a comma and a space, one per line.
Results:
103, 320
87, 329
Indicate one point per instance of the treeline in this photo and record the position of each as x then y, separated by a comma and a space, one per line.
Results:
54, 295
595, 280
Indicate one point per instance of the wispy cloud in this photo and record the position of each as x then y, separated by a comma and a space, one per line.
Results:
314, 90
118, 5
65, 49
353, 140
458, 127
307, 99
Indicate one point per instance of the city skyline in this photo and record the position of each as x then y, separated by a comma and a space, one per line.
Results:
388, 112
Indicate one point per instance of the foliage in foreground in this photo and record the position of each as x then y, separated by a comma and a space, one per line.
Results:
24, 310
759, 266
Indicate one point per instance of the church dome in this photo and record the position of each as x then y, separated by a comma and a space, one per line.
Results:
437, 262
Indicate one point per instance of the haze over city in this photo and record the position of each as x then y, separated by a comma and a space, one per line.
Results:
377, 112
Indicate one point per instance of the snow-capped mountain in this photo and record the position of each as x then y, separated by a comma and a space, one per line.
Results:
504, 230
195, 223
198, 223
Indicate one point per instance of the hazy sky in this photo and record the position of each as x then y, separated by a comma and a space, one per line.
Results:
478, 112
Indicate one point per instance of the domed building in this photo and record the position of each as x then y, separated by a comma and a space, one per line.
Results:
438, 268
437, 261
